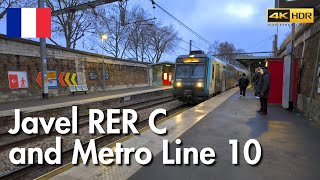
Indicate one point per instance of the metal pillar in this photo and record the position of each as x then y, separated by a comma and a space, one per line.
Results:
276, 40
43, 56
103, 68
292, 68
190, 48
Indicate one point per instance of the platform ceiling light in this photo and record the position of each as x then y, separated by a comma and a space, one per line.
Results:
104, 37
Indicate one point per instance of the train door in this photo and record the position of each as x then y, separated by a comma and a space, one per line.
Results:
212, 81
224, 76
217, 87
166, 79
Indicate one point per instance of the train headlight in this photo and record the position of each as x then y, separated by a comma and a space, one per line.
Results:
179, 84
200, 84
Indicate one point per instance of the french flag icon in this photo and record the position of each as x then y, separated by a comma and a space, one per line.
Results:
29, 22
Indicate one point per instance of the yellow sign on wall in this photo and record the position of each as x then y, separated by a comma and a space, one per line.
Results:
52, 74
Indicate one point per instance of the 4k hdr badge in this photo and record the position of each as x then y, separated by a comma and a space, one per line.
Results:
293, 15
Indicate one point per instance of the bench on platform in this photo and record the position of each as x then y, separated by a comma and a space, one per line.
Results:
79, 88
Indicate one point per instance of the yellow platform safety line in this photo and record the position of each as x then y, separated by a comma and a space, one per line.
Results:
66, 79
111, 145
73, 79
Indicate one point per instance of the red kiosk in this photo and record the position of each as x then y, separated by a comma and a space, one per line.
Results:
277, 70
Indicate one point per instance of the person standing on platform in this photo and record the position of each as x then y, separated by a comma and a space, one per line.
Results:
263, 91
256, 77
243, 84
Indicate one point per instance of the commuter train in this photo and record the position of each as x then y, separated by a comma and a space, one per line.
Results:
199, 76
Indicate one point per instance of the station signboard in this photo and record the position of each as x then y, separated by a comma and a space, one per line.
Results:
52, 79
106, 76
18, 79
93, 76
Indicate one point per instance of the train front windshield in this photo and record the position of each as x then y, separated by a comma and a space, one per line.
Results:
190, 71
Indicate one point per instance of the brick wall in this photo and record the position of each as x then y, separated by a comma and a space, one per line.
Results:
308, 103
23, 55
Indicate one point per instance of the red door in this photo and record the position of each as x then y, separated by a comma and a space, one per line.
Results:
166, 78
276, 70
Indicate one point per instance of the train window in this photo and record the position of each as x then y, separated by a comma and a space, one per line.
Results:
190, 71
212, 71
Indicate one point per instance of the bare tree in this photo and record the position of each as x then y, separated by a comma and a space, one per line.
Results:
163, 40
141, 38
72, 25
138, 33
109, 22
213, 48
226, 51
4, 4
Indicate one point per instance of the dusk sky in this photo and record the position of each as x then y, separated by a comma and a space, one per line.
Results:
242, 23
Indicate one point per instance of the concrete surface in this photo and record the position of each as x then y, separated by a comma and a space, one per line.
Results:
176, 126
290, 145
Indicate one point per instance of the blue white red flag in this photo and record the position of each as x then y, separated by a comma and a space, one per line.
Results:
29, 22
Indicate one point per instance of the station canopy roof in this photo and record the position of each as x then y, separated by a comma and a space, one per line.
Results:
246, 60
163, 63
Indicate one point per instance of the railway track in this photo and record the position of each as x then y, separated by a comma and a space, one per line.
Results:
6, 140
34, 171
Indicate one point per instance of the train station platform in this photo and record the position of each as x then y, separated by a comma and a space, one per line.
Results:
69, 100
289, 141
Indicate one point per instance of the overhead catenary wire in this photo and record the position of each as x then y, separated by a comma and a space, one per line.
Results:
265, 52
189, 43
200, 45
181, 23
262, 41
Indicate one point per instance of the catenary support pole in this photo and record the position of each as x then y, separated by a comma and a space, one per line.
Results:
292, 68
103, 68
43, 57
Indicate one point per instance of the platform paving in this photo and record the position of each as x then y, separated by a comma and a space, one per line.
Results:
290, 142
176, 127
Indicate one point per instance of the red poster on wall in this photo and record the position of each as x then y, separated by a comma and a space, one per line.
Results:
18, 79
13, 81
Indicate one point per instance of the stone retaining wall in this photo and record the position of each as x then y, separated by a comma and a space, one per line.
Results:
23, 55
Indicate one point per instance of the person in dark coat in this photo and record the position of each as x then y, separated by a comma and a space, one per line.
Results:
243, 84
256, 77
263, 91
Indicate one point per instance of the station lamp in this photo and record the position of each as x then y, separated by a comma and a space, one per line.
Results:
104, 37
